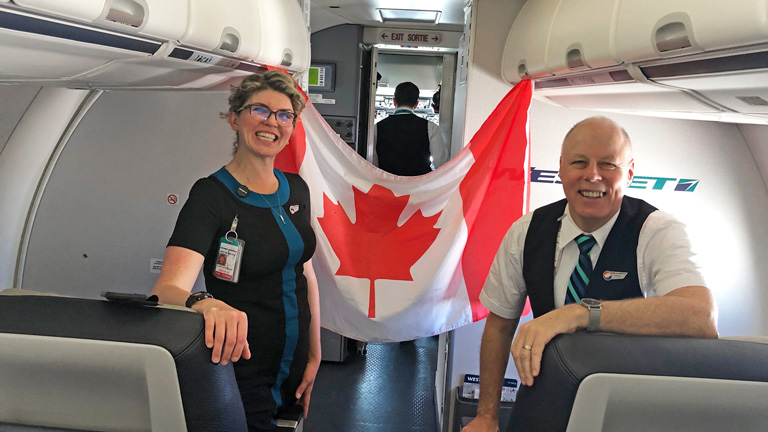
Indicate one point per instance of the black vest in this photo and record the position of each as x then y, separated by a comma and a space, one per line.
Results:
402, 145
618, 255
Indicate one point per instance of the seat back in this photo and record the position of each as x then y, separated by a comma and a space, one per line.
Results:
68, 363
604, 382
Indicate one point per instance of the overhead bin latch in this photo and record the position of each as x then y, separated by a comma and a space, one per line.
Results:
130, 13
574, 57
522, 70
287, 58
673, 34
230, 40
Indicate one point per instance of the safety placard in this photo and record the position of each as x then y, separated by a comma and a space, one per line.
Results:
155, 265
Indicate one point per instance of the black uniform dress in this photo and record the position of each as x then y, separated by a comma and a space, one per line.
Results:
271, 289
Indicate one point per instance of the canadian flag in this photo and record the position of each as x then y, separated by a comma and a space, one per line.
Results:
400, 258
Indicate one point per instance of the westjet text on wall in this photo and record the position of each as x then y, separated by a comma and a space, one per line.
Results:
672, 184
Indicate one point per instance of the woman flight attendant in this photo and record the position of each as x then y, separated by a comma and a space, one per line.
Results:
248, 226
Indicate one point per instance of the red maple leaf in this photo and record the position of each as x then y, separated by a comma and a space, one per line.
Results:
374, 247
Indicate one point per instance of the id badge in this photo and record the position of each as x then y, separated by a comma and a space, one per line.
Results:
230, 256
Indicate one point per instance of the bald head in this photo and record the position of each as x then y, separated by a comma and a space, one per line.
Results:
595, 166
602, 126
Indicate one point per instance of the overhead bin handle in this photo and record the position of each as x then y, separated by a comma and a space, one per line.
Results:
287, 58
230, 40
574, 57
522, 70
126, 12
673, 36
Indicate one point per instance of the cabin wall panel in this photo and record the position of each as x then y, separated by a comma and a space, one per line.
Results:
11, 113
756, 137
23, 161
486, 88
475, 100
341, 46
104, 215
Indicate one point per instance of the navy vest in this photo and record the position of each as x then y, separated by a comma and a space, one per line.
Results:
402, 145
619, 254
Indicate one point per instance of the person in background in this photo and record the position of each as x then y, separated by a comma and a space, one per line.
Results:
621, 266
261, 307
436, 101
404, 143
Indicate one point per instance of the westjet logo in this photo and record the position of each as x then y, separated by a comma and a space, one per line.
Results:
638, 182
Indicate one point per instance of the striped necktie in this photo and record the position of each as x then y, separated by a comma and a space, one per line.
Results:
579, 280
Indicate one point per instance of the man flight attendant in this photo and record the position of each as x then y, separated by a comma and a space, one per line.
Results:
621, 266
404, 143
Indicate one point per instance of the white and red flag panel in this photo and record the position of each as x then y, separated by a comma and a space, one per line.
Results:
399, 258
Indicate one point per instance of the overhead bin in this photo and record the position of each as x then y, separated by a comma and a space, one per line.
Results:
284, 34
650, 30
164, 19
270, 32
525, 52
705, 59
214, 28
81, 10
61, 47
579, 38
36, 48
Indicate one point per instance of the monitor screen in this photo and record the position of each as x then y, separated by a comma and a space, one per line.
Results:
321, 77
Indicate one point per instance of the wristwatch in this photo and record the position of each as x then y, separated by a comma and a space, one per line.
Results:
594, 307
196, 297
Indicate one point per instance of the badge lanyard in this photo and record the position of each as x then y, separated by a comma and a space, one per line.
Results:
230, 255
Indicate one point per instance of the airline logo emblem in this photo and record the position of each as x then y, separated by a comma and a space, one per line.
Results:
614, 275
671, 184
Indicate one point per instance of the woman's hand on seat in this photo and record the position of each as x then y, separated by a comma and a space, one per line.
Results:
226, 331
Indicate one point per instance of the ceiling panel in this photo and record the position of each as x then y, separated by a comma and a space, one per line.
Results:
329, 13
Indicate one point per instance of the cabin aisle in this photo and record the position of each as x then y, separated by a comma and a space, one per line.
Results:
390, 389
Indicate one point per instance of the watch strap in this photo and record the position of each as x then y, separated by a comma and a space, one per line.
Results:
594, 307
594, 319
196, 297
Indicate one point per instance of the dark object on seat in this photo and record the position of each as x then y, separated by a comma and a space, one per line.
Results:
209, 393
572, 360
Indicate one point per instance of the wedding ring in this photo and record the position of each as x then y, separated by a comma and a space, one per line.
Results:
527, 347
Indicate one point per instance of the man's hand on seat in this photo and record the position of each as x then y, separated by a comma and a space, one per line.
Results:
533, 336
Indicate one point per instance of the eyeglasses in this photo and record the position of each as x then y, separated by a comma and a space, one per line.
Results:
282, 116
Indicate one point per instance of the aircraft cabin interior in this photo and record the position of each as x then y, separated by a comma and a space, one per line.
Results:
112, 109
